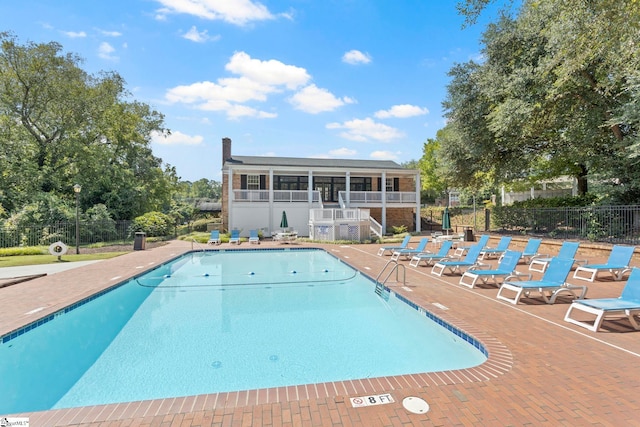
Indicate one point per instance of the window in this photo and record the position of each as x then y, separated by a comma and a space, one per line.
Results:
360, 184
389, 184
253, 182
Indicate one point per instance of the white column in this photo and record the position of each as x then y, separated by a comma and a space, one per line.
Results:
230, 201
348, 190
383, 182
270, 200
418, 216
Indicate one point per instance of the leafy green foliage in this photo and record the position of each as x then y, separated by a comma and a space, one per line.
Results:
60, 126
154, 224
556, 94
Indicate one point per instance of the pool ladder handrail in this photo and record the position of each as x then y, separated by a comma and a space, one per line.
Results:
396, 267
203, 248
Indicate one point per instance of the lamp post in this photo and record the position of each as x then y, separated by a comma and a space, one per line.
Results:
76, 189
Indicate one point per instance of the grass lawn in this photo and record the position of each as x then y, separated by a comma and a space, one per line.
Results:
20, 260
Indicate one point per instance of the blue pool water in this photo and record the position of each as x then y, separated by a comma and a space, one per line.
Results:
223, 321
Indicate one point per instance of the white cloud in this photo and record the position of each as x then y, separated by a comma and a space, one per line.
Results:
199, 36
110, 33
343, 152
313, 99
75, 34
355, 57
383, 155
176, 138
366, 129
105, 51
401, 111
257, 79
271, 72
237, 12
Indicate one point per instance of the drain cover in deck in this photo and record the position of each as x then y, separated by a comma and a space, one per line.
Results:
415, 405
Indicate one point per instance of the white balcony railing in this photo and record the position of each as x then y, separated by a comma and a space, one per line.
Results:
288, 196
319, 215
375, 197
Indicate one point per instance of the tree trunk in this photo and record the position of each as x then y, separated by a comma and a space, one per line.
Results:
582, 181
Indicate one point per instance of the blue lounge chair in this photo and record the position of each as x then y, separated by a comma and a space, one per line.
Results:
617, 265
214, 238
408, 253
253, 237
552, 282
500, 248
391, 249
429, 258
457, 265
567, 251
506, 270
627, 305
235, 237
482, 241
531, 250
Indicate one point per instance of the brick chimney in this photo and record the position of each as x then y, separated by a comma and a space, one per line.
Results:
226, 149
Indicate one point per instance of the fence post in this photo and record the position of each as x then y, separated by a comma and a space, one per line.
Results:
487, 219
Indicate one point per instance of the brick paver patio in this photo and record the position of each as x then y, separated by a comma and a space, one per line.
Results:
541, 370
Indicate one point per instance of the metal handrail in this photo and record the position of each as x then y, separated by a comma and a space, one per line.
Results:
396, 269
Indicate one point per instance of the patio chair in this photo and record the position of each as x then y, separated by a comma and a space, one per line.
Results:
625, 306
253, 237
482, 241
391, 249
457, 265
235, 237
407, 253
531, 250
617, 265
430, 258
500, 248
552, 282
567, 251
214, 238
506, 270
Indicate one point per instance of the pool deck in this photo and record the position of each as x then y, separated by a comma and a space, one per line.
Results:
541, 370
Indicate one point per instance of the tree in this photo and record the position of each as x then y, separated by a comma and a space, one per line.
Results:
551, 97
60, 126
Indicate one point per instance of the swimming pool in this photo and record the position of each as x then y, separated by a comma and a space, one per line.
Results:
222, 321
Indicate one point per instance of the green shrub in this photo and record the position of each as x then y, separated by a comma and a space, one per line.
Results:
25, 250
154, 224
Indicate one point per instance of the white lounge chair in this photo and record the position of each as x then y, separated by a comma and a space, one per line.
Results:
553, 282
457, 265
235, 237
500, 248
626, 306
214, 238
617, 265
429, 258
482, 241
531, 250
253, 237
407, 253
506, 270
567, 251
391, 249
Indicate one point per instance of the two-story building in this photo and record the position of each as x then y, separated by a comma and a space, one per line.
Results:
316, 194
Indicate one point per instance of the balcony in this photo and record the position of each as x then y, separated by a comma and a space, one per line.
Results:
281, 196
374, 198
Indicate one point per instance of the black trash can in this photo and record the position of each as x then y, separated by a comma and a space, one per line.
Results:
140, 241
468, 235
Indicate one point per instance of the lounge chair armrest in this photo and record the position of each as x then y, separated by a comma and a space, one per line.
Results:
518, 276
536, 256
480, 266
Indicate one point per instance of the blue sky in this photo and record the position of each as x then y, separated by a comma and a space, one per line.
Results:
355, 79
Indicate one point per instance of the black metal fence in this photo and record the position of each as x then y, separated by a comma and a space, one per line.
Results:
612, 224
89, 232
